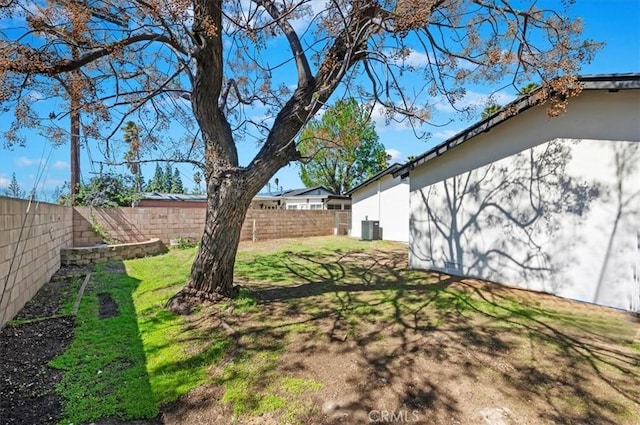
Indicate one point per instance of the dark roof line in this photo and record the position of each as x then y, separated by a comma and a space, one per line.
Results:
612, 82
305, 190
390, 169
172, 196
293, 193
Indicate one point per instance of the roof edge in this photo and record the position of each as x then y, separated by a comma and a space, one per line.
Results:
612, 82
390, 169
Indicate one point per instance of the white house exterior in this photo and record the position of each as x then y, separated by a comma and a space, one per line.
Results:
314, 198
382, 198
546, 204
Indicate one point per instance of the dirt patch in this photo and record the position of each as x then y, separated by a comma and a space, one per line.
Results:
27, 344
427, 349
107, 307
381, 354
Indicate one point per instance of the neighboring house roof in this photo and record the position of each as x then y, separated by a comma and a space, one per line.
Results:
611, 82
157, 196
390, 169
313, 192
310, 192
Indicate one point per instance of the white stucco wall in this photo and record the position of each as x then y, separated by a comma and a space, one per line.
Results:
386, 200
545, 204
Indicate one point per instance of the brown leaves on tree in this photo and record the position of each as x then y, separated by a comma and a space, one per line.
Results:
206, 65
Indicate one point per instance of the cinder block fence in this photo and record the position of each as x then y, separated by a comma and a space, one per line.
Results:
32, 236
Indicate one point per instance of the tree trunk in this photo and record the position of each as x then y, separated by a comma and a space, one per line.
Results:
211, 276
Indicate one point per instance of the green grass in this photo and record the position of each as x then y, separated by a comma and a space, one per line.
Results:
105, 363
129, 365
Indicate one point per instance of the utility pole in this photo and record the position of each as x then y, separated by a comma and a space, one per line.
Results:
75, 89
75, 127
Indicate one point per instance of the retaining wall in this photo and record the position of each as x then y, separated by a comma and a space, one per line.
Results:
105, 253
31, 237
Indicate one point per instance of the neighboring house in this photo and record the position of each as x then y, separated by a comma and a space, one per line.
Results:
314, 198
156, 199
382, 198
546, 204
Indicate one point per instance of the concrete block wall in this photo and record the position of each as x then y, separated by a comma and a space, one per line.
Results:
277, 224
30, 254
126, 225
31, 237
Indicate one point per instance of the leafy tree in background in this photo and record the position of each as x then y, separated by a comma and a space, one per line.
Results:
156, 184
140, 61
13, 190
108, 190
342, 147
176, 182
167, 182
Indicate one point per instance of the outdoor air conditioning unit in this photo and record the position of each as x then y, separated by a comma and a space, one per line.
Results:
370, 230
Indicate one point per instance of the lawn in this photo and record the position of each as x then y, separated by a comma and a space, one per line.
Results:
334, 330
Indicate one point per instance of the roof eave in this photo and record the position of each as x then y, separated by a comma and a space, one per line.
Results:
389, 170
611, 82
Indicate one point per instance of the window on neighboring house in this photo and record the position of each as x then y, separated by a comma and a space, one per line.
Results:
292, 207
315, 206
339, 207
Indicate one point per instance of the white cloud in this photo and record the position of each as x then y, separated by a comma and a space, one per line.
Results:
382, 122
4, 182
445, 134
414, 59
61, 165
395, 155
474, 99
23, 161
397, 122
52, 183
35, 95
300, 25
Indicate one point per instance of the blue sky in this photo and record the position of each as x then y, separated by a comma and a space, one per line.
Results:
615, 22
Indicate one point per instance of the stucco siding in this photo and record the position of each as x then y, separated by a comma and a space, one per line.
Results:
597, 115
547, 205
386, 200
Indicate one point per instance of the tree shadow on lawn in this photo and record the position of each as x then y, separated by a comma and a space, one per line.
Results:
105, 376
547, 358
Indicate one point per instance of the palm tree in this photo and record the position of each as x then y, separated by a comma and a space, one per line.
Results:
528, 89
197, 178
132, 137
490, 110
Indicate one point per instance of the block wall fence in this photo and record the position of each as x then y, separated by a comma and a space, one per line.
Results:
126, 225
32, 236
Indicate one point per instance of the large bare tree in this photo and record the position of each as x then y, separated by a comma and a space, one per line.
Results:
210, 65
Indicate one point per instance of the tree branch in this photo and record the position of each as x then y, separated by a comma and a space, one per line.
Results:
302, 64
